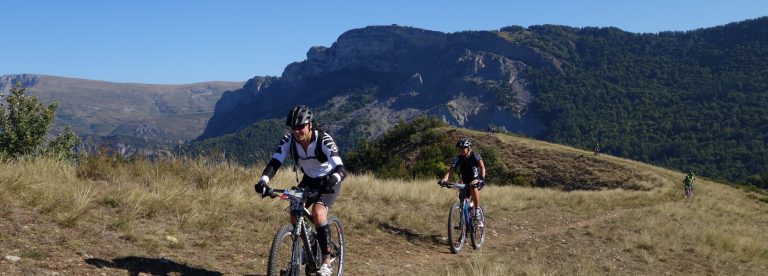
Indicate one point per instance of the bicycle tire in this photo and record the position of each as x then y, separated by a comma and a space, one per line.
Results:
337, 244
278, 264
456, 228
478, 234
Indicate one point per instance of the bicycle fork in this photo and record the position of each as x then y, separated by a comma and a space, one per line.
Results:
467, 217
296, 254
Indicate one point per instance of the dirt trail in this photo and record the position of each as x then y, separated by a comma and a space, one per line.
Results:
413, 254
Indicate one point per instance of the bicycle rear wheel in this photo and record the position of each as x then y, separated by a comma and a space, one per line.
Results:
280, 255
456, 228
337, 244
478, 233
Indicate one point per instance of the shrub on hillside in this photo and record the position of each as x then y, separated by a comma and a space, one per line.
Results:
408, 150
24, 126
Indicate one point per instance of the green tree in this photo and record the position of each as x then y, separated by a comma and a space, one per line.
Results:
63, 145
24, 125
412, 141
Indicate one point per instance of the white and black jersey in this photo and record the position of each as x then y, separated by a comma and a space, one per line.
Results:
314, 162
320, 163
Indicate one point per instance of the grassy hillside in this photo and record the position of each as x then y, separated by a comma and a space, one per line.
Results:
201, 217
424, 148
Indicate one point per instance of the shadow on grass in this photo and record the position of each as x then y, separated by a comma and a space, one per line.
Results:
410, 235
136, 265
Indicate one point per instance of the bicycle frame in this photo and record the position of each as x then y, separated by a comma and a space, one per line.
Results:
303, 246
465, 208
301, 230
464, 201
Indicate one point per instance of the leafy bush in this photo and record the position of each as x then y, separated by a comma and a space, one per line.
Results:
25, 125
493, 166
408, 150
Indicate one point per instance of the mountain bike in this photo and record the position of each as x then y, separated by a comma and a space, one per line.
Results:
688, 191
296, 245
461, 217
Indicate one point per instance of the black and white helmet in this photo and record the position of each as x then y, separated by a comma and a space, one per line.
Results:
463, 142
298, 116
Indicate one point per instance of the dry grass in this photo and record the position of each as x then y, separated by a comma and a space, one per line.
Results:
204, 214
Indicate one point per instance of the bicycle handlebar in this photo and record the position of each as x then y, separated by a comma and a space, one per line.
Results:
453, 185
286, 193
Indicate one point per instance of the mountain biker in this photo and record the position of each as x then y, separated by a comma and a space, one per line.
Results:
470, 164
316, 154
689, 178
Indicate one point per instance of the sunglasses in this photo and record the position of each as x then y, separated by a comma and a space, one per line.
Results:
299, 127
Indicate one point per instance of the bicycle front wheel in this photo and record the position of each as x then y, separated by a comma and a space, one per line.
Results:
337, 244
280, 256
456, 228
478, 233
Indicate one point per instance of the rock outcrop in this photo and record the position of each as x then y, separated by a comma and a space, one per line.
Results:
471, 79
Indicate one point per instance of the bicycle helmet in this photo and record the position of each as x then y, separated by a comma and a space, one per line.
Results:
298, 116
463, 142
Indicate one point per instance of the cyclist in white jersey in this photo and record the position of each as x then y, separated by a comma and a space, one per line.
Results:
315, 152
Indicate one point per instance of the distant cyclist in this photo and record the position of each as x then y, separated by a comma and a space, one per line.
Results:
472, 169
688, 183
317, 155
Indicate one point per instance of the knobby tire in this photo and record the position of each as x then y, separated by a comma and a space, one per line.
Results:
337, 244
478, 234
456, 228
282, 244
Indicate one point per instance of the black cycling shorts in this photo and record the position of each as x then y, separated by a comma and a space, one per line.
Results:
316, 184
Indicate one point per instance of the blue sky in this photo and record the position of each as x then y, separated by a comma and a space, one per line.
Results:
175, 41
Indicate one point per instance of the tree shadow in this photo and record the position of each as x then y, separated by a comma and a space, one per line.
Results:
411, 235
135, 265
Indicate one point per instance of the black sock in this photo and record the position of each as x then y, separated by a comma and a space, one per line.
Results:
324, 238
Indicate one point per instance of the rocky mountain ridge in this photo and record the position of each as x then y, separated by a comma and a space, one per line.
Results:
470, 79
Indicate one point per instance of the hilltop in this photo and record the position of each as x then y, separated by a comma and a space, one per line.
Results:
423, 150
202, 217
